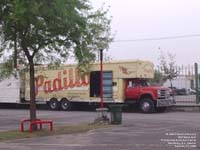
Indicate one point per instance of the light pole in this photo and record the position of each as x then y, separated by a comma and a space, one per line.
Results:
102, 112
101, 78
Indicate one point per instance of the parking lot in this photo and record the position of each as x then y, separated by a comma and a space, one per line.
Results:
166, 131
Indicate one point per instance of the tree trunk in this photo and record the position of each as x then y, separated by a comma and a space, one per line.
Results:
15, 52
32, 93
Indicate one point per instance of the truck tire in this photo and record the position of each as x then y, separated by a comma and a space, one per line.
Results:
147, 105
53, 104
65, 104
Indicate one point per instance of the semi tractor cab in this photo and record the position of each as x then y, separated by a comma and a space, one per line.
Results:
150, 98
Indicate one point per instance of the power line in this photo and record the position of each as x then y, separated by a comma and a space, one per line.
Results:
160, 38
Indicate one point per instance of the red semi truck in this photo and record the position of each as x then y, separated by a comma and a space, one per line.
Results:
124, 82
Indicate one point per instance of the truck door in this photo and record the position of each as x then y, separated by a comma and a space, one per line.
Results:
132, 89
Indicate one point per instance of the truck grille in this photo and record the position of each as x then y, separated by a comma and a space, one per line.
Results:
163, 94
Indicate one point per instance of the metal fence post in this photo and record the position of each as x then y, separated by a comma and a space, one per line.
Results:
197, 82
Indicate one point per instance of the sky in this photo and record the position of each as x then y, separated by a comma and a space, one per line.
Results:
138, 25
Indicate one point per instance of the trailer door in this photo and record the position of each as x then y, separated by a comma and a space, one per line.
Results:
107, 84
95, 84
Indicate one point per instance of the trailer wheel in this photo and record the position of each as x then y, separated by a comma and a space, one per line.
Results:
147, 105
65, 104
53, 104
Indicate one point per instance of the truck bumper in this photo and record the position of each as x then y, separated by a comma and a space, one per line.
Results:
165, 102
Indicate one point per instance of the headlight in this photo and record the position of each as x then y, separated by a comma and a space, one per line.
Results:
159, 92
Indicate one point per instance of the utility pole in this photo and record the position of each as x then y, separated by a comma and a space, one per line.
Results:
101, 78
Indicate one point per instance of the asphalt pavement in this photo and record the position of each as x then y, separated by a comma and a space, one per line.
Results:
156, 131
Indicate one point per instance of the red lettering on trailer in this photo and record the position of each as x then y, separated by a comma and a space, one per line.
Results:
65, 79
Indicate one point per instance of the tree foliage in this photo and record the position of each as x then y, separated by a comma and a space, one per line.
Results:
158, 78
49, 31
167, 68
168, 65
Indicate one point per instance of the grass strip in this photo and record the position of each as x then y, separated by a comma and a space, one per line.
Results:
68, 129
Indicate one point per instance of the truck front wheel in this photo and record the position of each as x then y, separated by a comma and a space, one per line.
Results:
147, 105
53, 104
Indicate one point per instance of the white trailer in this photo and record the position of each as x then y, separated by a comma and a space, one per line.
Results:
10, 90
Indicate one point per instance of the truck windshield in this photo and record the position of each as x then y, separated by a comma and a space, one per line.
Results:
148, 83
145, 83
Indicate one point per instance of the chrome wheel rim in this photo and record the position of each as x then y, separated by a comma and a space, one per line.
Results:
146, 106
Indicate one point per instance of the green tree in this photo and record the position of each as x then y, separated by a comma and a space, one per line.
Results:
49, 31
158, 77
167, 67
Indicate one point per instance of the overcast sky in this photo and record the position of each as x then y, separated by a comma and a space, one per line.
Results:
154, 19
